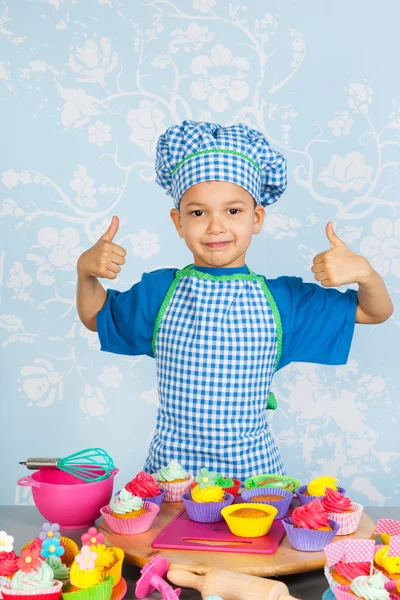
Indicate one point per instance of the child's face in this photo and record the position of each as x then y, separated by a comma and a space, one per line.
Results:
217, 220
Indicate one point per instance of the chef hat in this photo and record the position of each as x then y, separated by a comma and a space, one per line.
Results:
199, 151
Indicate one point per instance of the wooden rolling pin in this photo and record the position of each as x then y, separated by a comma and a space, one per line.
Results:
230, 585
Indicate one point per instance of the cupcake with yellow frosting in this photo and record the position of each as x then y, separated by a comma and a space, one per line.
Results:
388, 565
206, 500
174, 480
129, 514
89, 580
317, 488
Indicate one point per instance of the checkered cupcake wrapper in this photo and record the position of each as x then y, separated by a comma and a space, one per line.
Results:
309, 540
136, 524
175, 491
348, 521
281, 505
206, 512
307, 499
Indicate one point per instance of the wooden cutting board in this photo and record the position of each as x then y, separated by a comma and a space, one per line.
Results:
285, 561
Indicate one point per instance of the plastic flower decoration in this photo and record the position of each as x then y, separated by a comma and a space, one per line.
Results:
29, 560
51, 548
50, 530
92, 537
223, 482
6, 542
206, 478
86, 559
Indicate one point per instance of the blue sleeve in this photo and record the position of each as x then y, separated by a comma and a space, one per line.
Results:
317, 323
125, 324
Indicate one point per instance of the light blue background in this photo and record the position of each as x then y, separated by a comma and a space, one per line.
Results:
86, 89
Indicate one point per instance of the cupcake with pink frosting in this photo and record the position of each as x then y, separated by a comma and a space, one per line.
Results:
8, 558
310, 528
343, 510
144, 486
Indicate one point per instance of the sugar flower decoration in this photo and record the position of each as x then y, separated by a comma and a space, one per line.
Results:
50, 531
92, 537
6, 542
29, 560
86, 559
52, 548
206, 478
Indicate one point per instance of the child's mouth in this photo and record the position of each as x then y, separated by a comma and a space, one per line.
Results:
218, 244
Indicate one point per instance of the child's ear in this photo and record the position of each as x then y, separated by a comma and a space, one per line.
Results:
259, 214
176, 219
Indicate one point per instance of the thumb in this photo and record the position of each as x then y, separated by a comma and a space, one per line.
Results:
332, 237
112, 230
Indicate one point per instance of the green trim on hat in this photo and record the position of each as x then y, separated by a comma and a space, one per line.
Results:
220, 151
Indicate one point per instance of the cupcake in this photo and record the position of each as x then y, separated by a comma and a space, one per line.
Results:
51, 531
272, 480
389, 565
344, 573
89, 580
277, 497
310, 528
109, 558
128, 514
343, 510
174, 480
126, 506
33, 580
8, 558
317, 489
206, 500
229, 484
144, 486
249, 520
368, 587
60, 570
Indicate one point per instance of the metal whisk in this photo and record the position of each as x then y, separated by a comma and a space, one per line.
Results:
91, 464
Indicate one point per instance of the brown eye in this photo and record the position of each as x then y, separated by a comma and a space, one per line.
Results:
197, 213
234, 211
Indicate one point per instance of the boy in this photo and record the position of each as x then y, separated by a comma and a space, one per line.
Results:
217, 330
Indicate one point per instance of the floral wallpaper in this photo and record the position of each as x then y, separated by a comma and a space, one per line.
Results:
86, 89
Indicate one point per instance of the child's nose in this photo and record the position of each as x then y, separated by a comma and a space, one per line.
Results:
216, 225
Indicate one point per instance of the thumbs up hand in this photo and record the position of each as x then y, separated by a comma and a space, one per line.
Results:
104, 258
339, 265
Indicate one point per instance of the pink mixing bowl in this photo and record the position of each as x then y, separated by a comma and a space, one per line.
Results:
65, 499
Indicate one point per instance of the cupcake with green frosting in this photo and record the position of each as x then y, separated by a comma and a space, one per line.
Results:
33, 581
174, 480
60, 570
129, 514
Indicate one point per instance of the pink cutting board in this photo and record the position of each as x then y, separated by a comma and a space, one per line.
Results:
181, 529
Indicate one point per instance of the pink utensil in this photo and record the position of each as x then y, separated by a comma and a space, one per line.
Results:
63, 498
153, 579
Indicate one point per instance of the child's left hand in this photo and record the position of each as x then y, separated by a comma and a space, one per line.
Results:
339, 265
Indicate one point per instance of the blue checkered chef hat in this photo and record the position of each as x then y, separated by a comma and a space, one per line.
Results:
198, 151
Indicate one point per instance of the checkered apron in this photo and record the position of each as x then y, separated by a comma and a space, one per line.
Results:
216, 344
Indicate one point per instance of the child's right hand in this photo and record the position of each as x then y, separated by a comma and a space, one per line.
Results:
103, 259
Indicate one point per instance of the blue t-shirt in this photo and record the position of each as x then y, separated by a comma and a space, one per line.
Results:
317, 323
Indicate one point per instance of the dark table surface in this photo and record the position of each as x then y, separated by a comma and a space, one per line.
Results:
24, 523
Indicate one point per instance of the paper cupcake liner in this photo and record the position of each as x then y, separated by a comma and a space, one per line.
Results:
348, 521
307, 499
246, 526
309, 540
100, 591
252, 482
175, 491
134, 525
70, 548
156, 499
281, 505
52, 594
116, 570
205, 512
